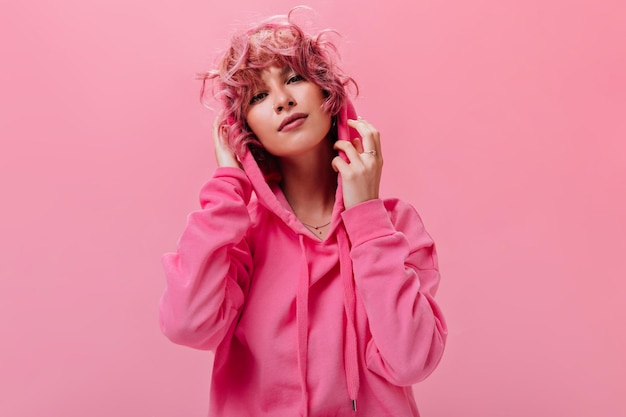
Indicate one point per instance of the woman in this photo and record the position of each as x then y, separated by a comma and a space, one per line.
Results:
312, 291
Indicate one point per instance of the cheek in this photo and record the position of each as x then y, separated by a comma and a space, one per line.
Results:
254, 120
259, 123
328, 120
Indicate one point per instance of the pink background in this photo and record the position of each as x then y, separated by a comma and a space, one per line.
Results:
503, 123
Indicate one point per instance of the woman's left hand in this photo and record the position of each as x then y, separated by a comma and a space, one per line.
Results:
361, 174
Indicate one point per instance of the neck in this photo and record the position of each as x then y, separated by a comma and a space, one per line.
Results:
309, 184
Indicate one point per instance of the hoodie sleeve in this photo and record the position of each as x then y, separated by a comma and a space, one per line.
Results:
396, 276
207, 275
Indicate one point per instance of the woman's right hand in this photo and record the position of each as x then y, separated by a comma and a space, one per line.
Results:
224, 155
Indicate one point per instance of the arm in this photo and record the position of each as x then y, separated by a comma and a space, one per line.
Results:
396, 276
208, 273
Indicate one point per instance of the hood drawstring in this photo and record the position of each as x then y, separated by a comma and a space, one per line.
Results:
302, 320
350, 353
351, 357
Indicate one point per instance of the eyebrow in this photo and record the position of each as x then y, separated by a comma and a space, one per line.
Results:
286, 70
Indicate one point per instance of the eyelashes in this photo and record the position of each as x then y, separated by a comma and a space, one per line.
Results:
259, 96
295, 78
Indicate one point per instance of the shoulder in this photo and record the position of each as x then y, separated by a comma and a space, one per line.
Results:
256, 210
260, 217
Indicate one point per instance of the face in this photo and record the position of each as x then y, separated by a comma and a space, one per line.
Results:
285, 113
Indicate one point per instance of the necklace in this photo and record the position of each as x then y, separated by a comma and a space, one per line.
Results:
317, 228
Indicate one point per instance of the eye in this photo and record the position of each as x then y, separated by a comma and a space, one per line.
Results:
295, 78
257, 97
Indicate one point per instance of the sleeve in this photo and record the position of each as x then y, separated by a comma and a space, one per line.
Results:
207, 275
396, 276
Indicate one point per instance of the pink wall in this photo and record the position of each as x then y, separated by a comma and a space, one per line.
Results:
502, 121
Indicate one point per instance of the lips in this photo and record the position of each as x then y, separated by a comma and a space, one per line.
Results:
290, 119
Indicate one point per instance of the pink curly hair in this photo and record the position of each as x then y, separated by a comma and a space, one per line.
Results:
275, 41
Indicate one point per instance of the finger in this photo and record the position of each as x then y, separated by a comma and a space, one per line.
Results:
220, 137
223, 135
224, 154
218, 119
348, 149
358, 145
370, 136
215, 128
219, 129
339, 165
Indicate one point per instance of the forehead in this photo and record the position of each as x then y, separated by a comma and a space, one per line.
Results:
272, 72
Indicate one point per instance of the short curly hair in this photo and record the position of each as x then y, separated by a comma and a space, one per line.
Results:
275, 41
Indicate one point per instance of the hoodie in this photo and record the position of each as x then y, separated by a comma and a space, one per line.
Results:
299, 326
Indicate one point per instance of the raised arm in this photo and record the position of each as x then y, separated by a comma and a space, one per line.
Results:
207, 276
396, 276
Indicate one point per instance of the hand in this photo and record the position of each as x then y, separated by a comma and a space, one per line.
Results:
361, 174
224, 155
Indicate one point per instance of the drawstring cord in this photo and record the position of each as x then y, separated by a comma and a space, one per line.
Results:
351, 361
302, 320
351, 358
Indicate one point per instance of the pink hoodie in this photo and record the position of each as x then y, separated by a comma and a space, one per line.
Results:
303, 327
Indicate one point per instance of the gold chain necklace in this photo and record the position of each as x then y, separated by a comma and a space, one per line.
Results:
317, 228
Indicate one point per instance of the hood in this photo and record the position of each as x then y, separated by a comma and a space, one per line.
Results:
268, 192
270, 195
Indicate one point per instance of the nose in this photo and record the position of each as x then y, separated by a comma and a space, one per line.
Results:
283, 101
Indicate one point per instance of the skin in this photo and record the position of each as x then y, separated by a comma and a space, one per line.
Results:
284, 93
307, 157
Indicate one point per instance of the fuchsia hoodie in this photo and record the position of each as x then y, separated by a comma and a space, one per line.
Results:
303, 327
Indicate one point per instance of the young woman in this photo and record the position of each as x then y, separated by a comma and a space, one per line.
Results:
313, 291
